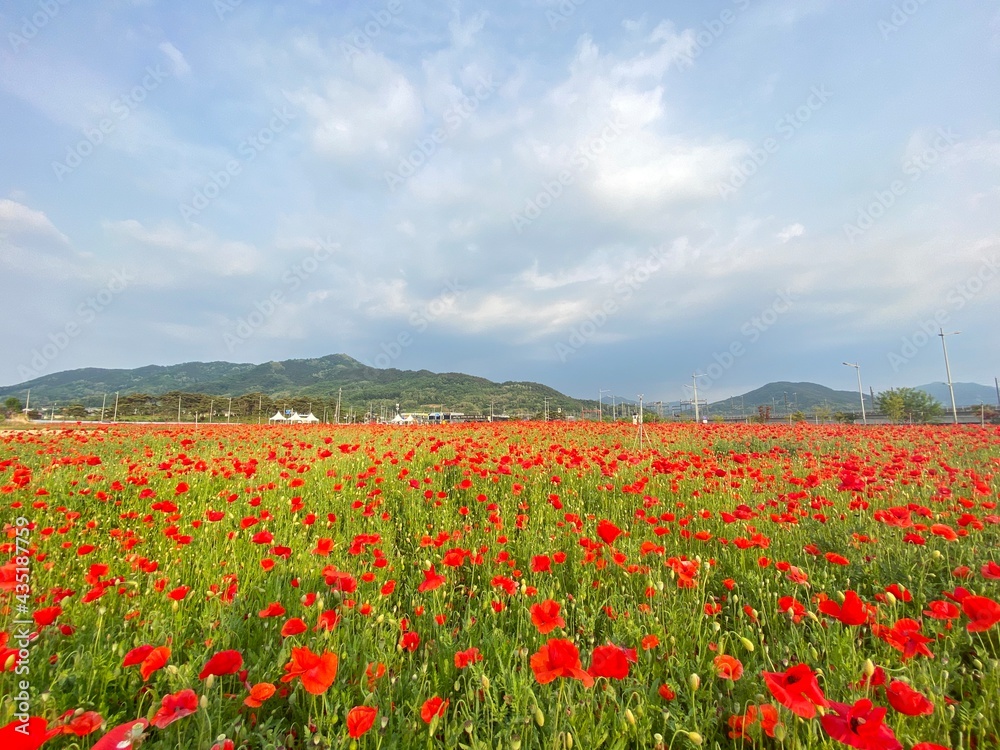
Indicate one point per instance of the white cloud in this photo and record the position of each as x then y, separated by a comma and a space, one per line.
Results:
790, 232
177, 62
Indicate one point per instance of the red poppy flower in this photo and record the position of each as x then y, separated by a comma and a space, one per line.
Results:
470, 656
796, 689
224, 662
274, 609
793, 607
609, 661
905, 636
360, 720
545, 616
136, 655
410, 641
991, 570
155, 659
559, 658
983, 612
122, 736
431, 580
316, 671
666, 692
608, 531
83, 724
433, 707
728, 667
327, 620
173, 707
939, 609
541, 564
258, 694
20, 736
906, 700
860, 726
46, 616
293, 626
852, 612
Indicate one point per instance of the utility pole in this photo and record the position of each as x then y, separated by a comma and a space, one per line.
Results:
178, 410
697, 414
600, 403
229, 411
336, 415
115, 418
861, 392
947, 369
211, 408
103, 404
260, 403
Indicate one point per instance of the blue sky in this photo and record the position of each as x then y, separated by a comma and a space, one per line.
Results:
585, 195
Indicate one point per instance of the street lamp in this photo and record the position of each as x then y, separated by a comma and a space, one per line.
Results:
861, 393
694, 380
600, 403
947, 369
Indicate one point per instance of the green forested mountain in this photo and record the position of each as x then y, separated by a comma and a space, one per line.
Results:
299, 382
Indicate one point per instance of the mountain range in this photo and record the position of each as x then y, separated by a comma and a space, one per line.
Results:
324, 377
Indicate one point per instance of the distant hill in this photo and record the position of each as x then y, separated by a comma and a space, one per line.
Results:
319, 379
785, 397
966, 394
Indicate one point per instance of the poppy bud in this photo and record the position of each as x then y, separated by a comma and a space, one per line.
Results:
569, 741
747, 643
694, 681
890, 598
695, 738
203, 701
539, 717
977, 664
869, 668
9, 664
485, 682
629, 717
209, 681
779, 732
936, 554
515, 742
716, 627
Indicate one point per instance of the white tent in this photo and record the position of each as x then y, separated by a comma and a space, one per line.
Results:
310, 417
278, 417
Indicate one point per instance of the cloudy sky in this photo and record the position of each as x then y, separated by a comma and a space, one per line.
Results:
586, 194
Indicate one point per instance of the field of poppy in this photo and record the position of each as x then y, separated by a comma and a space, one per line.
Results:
535, 585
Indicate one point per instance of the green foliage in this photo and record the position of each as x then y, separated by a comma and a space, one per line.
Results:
908, 404
11, 405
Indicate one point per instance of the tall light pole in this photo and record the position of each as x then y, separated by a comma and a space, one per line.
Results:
947, 369
861, 393
694, 379
600, 403
229, 411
